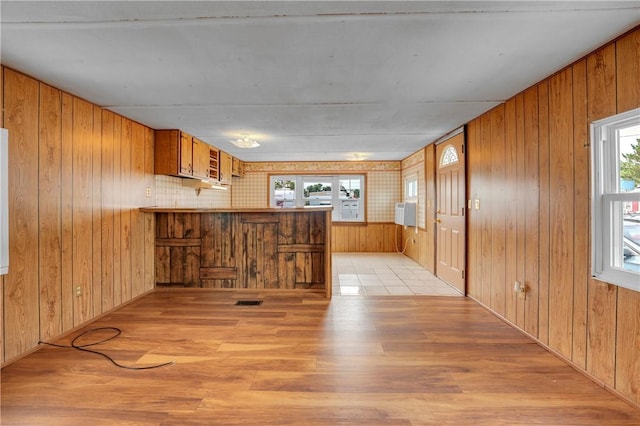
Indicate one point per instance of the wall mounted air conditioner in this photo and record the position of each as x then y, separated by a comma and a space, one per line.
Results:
406, 214
4, 202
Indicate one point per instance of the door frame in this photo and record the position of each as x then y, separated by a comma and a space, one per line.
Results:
462, 202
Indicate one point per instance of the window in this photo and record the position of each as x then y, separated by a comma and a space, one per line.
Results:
449, 156
345, 193
615, 222
411, 188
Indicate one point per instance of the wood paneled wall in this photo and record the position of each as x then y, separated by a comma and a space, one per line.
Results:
421, 246
364, 237
2, 276
416, 247
78, 244
528, 165
429, 237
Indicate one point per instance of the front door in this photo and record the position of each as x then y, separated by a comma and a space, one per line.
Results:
450, 214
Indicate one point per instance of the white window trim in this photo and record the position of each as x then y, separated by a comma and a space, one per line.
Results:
606, 228
335, 195
408, 181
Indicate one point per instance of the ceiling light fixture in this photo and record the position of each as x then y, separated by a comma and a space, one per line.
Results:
358, 156
245, 142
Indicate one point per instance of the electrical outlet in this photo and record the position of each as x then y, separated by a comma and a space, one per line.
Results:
148, 192
520, 289
78, 291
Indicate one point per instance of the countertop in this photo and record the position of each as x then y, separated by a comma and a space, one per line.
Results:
230, 210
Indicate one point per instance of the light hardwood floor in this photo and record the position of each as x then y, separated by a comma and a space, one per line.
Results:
302, 360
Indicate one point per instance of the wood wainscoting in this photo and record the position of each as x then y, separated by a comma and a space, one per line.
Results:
385, 237
378, 237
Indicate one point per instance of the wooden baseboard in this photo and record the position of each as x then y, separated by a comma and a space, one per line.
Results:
560, 356
71, 331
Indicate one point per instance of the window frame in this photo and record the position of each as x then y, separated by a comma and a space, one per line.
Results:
411, 187
336, 215
606, 200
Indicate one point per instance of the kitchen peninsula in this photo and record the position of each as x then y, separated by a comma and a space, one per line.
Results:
244, 249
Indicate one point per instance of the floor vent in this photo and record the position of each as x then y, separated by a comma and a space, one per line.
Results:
248, 302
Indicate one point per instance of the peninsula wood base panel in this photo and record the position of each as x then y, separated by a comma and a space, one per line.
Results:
271, 250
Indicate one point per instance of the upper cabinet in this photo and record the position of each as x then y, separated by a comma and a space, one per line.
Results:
214, 162
225, 165
177, 153
200, 158
185, 160
237, 167
180, 154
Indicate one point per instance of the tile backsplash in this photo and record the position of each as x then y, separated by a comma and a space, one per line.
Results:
171, 193
384, 189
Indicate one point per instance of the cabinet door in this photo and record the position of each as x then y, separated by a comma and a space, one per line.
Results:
186, 154
214, 155
167, 152
238, 167
200, 159
225, 167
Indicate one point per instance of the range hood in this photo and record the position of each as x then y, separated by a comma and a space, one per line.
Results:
203, 184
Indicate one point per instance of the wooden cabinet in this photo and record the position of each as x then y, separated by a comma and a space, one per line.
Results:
214, 157
180, 154
177, 153
245, 250
225, 166
186, 154
200, 158
237, 167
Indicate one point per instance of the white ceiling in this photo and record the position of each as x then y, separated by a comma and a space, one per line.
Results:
310, 80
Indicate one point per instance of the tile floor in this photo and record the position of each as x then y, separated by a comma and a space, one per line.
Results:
384, 274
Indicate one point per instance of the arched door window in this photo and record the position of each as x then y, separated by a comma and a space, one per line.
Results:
449, 156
